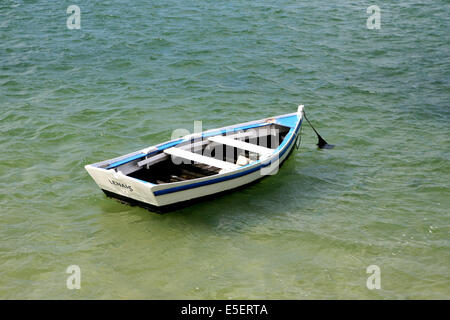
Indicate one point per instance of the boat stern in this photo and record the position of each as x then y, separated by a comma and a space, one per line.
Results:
114, 182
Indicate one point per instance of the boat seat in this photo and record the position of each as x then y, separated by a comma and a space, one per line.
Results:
153, 160
241, 145
177, 152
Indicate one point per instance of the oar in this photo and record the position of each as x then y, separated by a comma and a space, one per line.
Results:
322, 144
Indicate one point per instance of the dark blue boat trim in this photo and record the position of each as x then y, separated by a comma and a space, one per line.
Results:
169, 144
205, 183
232, 176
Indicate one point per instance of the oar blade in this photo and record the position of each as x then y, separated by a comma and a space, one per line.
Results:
322, 144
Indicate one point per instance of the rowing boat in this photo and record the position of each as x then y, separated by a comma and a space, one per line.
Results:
177, 172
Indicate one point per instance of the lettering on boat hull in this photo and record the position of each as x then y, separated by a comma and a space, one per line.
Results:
122, 185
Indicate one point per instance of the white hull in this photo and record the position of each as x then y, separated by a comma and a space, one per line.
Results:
118, 183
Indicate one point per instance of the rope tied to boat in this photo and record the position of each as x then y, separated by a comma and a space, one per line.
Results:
299, 138
321, 143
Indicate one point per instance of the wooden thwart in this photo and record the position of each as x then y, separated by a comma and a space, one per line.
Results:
177, 152
153, 160
241, 144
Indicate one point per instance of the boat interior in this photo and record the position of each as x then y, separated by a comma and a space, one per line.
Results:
206, 155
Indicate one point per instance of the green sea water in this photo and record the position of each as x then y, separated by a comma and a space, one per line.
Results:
137, 70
